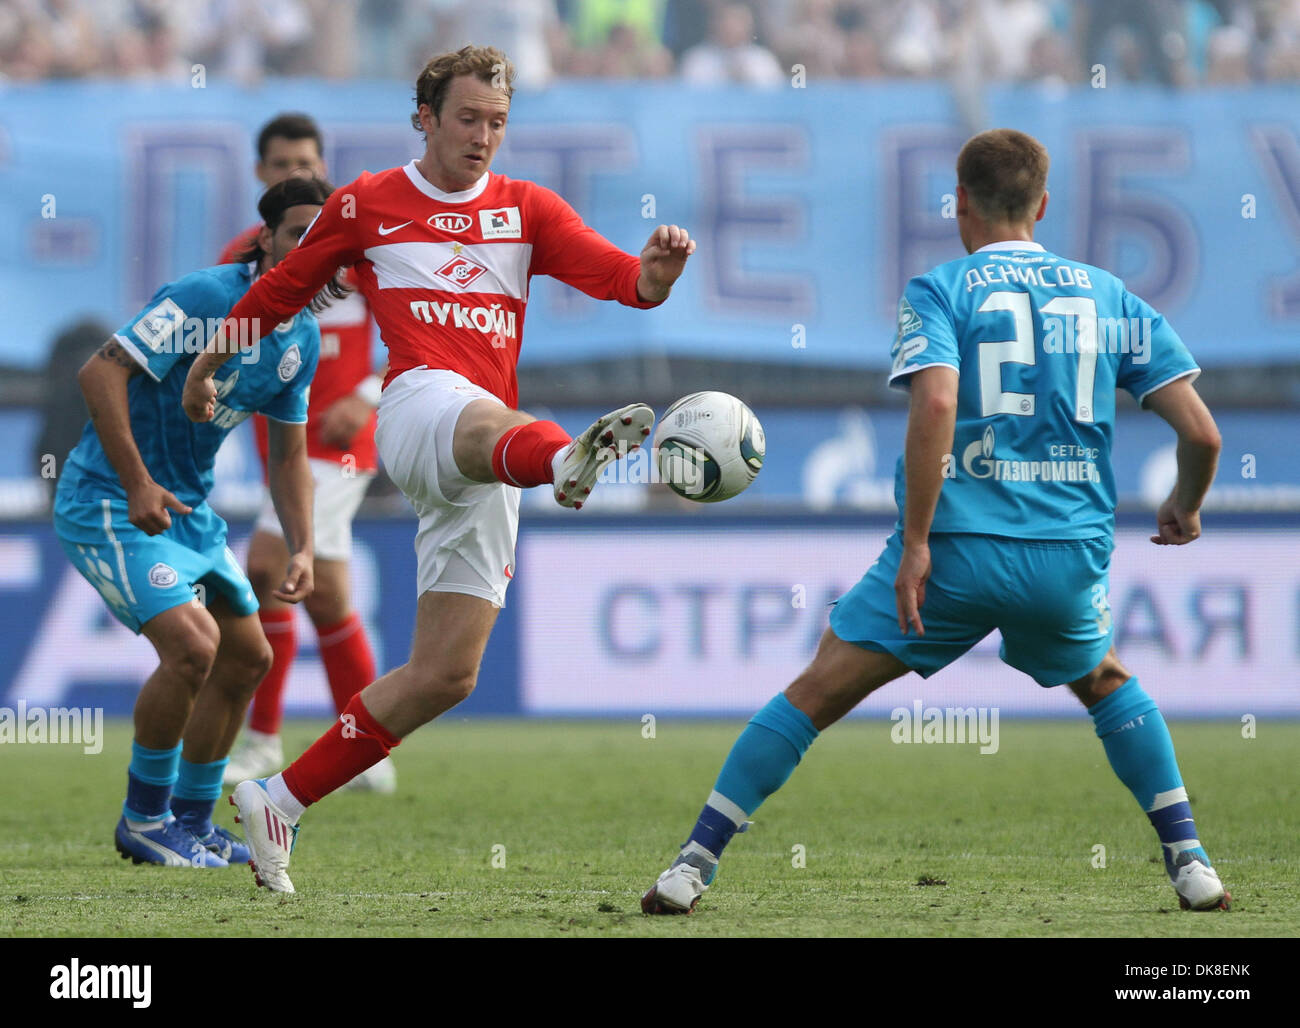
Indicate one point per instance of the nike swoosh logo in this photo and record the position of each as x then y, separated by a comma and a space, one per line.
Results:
387, 231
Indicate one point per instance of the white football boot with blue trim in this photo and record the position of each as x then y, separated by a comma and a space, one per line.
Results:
271, 835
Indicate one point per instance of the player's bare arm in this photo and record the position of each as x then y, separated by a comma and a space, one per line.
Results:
289, 477
344, 418
931, 420
103, 381
199, 398
663, 259
1178, 521
348, 415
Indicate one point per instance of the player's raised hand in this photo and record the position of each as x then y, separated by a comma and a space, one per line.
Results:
1176, 527
298, 582
909, 586
662, 261
147, 506
199, 397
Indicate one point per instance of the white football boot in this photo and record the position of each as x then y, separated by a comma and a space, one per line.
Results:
380, 778
1198, 886
269, 832
615, 435
676, 892
256, 755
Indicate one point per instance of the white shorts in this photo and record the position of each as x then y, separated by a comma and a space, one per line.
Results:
337, 497
466, 538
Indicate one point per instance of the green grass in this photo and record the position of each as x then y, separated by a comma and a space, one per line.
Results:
590, 812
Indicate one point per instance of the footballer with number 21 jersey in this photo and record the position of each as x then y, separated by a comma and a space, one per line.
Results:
1006, 499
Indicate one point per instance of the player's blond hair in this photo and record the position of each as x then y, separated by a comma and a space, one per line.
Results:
487, 63
1004, 173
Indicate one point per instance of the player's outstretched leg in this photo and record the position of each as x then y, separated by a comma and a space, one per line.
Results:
493, 443
540, 452
775, 740
346, 655
1141, 752
451, 633
269, 808
759, 763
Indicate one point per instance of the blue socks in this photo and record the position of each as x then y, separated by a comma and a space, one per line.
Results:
160, 783
198, 787
759, 763
1140, 751
1128, 722
149, 782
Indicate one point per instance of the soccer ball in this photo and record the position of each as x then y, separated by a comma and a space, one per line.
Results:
709, 447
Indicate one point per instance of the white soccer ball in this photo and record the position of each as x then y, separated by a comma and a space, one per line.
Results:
709, 447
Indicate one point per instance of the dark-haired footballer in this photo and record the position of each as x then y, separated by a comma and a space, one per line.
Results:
341, 450
131, 513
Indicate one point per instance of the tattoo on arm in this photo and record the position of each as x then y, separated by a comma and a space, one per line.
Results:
115, 352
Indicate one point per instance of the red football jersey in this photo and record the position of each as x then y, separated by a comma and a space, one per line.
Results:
446, 275
344, 362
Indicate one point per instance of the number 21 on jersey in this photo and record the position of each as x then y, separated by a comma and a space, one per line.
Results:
1020, 350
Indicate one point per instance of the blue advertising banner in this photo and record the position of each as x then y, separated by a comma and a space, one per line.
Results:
698, 617
60, 646
812, 206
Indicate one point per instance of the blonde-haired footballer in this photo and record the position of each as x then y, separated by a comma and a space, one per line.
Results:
443, 250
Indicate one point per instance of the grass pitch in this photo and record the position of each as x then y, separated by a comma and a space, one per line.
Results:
894, 840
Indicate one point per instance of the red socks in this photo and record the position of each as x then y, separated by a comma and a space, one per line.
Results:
523, 455
268, 702
349, 664
344, 651
353, 743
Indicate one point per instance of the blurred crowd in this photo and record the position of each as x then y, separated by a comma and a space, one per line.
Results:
1178, 43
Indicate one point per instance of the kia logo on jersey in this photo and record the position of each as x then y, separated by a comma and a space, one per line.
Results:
445, 221
503, 223
461, 271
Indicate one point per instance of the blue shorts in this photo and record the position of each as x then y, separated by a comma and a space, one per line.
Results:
139, 575
1049, 600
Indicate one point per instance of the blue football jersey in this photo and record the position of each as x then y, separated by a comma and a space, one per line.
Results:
272, 377
1040, 344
